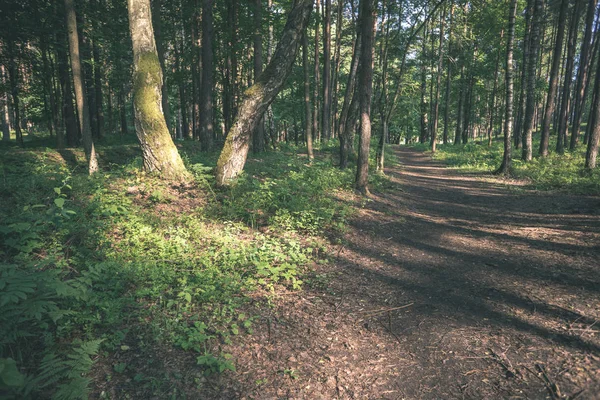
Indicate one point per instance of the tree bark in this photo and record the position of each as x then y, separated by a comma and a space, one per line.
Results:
258, 97
345, 125
78, 85
582, 73
365, 83
527, 153
492, 108
594, 128
326, 109
258, 142
518, 128
316, 97
206, 92
160, 48
553, 84
509, 115
448, 78
4, 112
436, 105
563, 118
158, 150
307, 105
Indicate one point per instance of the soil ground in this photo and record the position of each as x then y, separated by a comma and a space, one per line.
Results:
447, 286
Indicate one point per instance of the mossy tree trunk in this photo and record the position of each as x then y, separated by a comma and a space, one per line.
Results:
258, 97
158, 150
78, 84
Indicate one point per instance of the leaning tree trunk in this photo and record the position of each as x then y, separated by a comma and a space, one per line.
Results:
158, 150
78, 84
258, 142
553, 87
509, 117
258, 97
365, 83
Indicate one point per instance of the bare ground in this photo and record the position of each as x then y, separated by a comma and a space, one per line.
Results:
447, 286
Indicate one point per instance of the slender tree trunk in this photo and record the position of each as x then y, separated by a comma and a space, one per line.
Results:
365, 83
98, 89
258, 143
563, 119
336, 69
307, 105
595, 52
509, 116
79, 86
4, 112
349, 107
553, 85
436, 106
582, 73
316, 96
326, 110
206, 92
492, 110
424, 107
518, 129
158, 150
448, 77
258, 97
594, 128
536, 26
459, 108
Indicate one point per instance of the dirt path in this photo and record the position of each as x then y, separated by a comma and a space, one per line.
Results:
500, 291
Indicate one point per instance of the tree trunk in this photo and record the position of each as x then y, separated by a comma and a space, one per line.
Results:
206, 92
258, 142
316, 97
258, 97
4, 112
436, 105
336, 68
326, 110
518, 128
492, 110
537, 20
509, 117
344, 125
563, 118
78, 84
307, 105
594, 128
553, 85
158, 150
448, 77
582, 73
160, 48
98, 90
365, 83
424, 107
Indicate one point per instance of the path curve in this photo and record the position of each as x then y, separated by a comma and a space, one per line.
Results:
499, 292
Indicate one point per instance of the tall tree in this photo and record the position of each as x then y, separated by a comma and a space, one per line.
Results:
553, 84
258, 144
307, 105
594, 128
509, 112
536, 27
206, 91
326, 110
365, 85
582, 73
436, 100
258, 97
79, 86
158, 150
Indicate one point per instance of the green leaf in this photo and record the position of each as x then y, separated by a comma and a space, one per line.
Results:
60, 202
9, 374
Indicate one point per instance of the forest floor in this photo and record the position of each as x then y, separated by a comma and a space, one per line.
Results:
448, 285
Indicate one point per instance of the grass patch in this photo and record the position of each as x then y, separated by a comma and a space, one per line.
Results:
555, 172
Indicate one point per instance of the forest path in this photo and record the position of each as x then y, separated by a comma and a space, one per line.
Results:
500, 290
